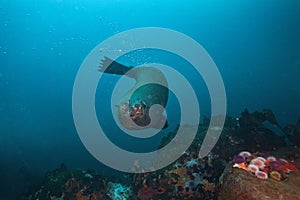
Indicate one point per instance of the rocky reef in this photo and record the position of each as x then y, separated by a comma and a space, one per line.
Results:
229, 171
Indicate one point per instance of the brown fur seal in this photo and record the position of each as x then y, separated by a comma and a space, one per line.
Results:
149, 91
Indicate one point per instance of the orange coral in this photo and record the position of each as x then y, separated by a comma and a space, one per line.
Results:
181, 171
241, 166
80, 196
207, 186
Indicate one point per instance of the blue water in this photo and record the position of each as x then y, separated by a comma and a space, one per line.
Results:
255, 44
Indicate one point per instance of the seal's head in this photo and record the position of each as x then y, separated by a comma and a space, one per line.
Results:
134, 116
138, 111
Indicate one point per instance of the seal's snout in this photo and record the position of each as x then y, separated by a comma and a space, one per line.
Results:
138, 111
133, 116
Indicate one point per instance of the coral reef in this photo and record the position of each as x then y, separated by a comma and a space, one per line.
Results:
62, 183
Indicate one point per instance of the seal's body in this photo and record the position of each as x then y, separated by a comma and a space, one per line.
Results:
150, 90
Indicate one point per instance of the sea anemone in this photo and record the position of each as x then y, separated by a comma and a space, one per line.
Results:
253, 168
238, 159
287, 166
258, 162
262, 159
245, 154
276, 165
291, 167
271, 158
275, 175
261, 175
283, 160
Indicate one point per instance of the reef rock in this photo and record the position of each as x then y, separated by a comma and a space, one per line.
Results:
238, 184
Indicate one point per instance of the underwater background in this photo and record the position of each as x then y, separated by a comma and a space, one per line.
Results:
255, 44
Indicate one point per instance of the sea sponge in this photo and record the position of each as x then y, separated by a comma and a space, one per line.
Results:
118, 191
275, 175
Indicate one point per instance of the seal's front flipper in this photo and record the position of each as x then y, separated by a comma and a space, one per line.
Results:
158, 120
112, 67
159, 124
